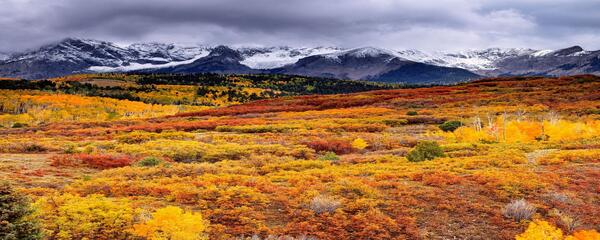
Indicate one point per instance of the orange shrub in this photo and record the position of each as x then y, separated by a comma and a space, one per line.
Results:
100, 161
437, 178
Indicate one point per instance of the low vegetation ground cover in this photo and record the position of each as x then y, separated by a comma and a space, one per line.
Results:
494, 159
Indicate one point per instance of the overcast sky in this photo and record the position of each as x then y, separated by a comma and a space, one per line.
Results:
393, 24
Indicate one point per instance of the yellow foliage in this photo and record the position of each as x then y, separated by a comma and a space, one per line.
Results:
359, 144
538, 230
584, 235
566, 130
576, 156
522, 131
37, 107
465, 134
172, 223
525, 131
93, 217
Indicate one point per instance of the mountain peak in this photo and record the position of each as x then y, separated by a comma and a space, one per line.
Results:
224, 51
74, 55
362, 52
369, 52
568, 51
75, 41
4, 56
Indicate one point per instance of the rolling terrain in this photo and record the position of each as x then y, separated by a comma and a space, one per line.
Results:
491, 159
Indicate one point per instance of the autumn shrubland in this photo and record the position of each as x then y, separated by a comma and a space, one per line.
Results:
500, 158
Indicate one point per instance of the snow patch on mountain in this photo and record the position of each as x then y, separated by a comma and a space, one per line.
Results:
269, 58
542, 53
363, 52
140, 66
473, 60
76, 55
167, 52
77, 50
4, 56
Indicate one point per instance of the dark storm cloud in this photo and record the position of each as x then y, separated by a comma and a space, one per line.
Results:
424, 24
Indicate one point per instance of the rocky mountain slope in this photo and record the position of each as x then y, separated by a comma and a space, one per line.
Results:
4, 56
376, 65
74, 55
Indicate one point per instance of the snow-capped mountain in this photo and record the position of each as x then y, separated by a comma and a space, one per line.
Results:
4, 56
472, 60
513, 61
274, 57
78, 51
156, 55
221, 59
165, 53
68, 56
374, 64
567, 61
76, 55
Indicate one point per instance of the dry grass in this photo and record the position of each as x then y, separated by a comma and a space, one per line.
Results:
34, 170
519, 210
322, 203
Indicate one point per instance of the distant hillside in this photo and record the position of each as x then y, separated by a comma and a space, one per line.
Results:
193, 89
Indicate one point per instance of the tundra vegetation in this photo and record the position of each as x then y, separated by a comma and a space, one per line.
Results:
500, 158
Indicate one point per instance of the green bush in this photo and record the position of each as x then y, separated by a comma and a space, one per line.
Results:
70, 149
329, 156
450, 126
149, 162
412, 113
395, 122
19, 125
34, 148
15, 216
277, 128
425, 150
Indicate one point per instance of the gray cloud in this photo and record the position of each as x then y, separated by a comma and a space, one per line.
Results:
397, 24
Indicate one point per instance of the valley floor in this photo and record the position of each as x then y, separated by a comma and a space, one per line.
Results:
516, 154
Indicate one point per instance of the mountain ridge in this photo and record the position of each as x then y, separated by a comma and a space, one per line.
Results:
77, 55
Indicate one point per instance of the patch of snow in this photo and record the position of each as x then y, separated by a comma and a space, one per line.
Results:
4, 56
169, 52
542, 53
139, 66
577, 54
473, 60
362, 53
158, 59
79, 50
269, 58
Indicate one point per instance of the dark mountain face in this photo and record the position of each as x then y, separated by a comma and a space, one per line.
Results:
355, 64
568, 51
412, 66
420, 73
66, 57
74, 55
568, 61
375, 65
220, 60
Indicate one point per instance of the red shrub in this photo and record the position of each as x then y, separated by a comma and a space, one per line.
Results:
336, 146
